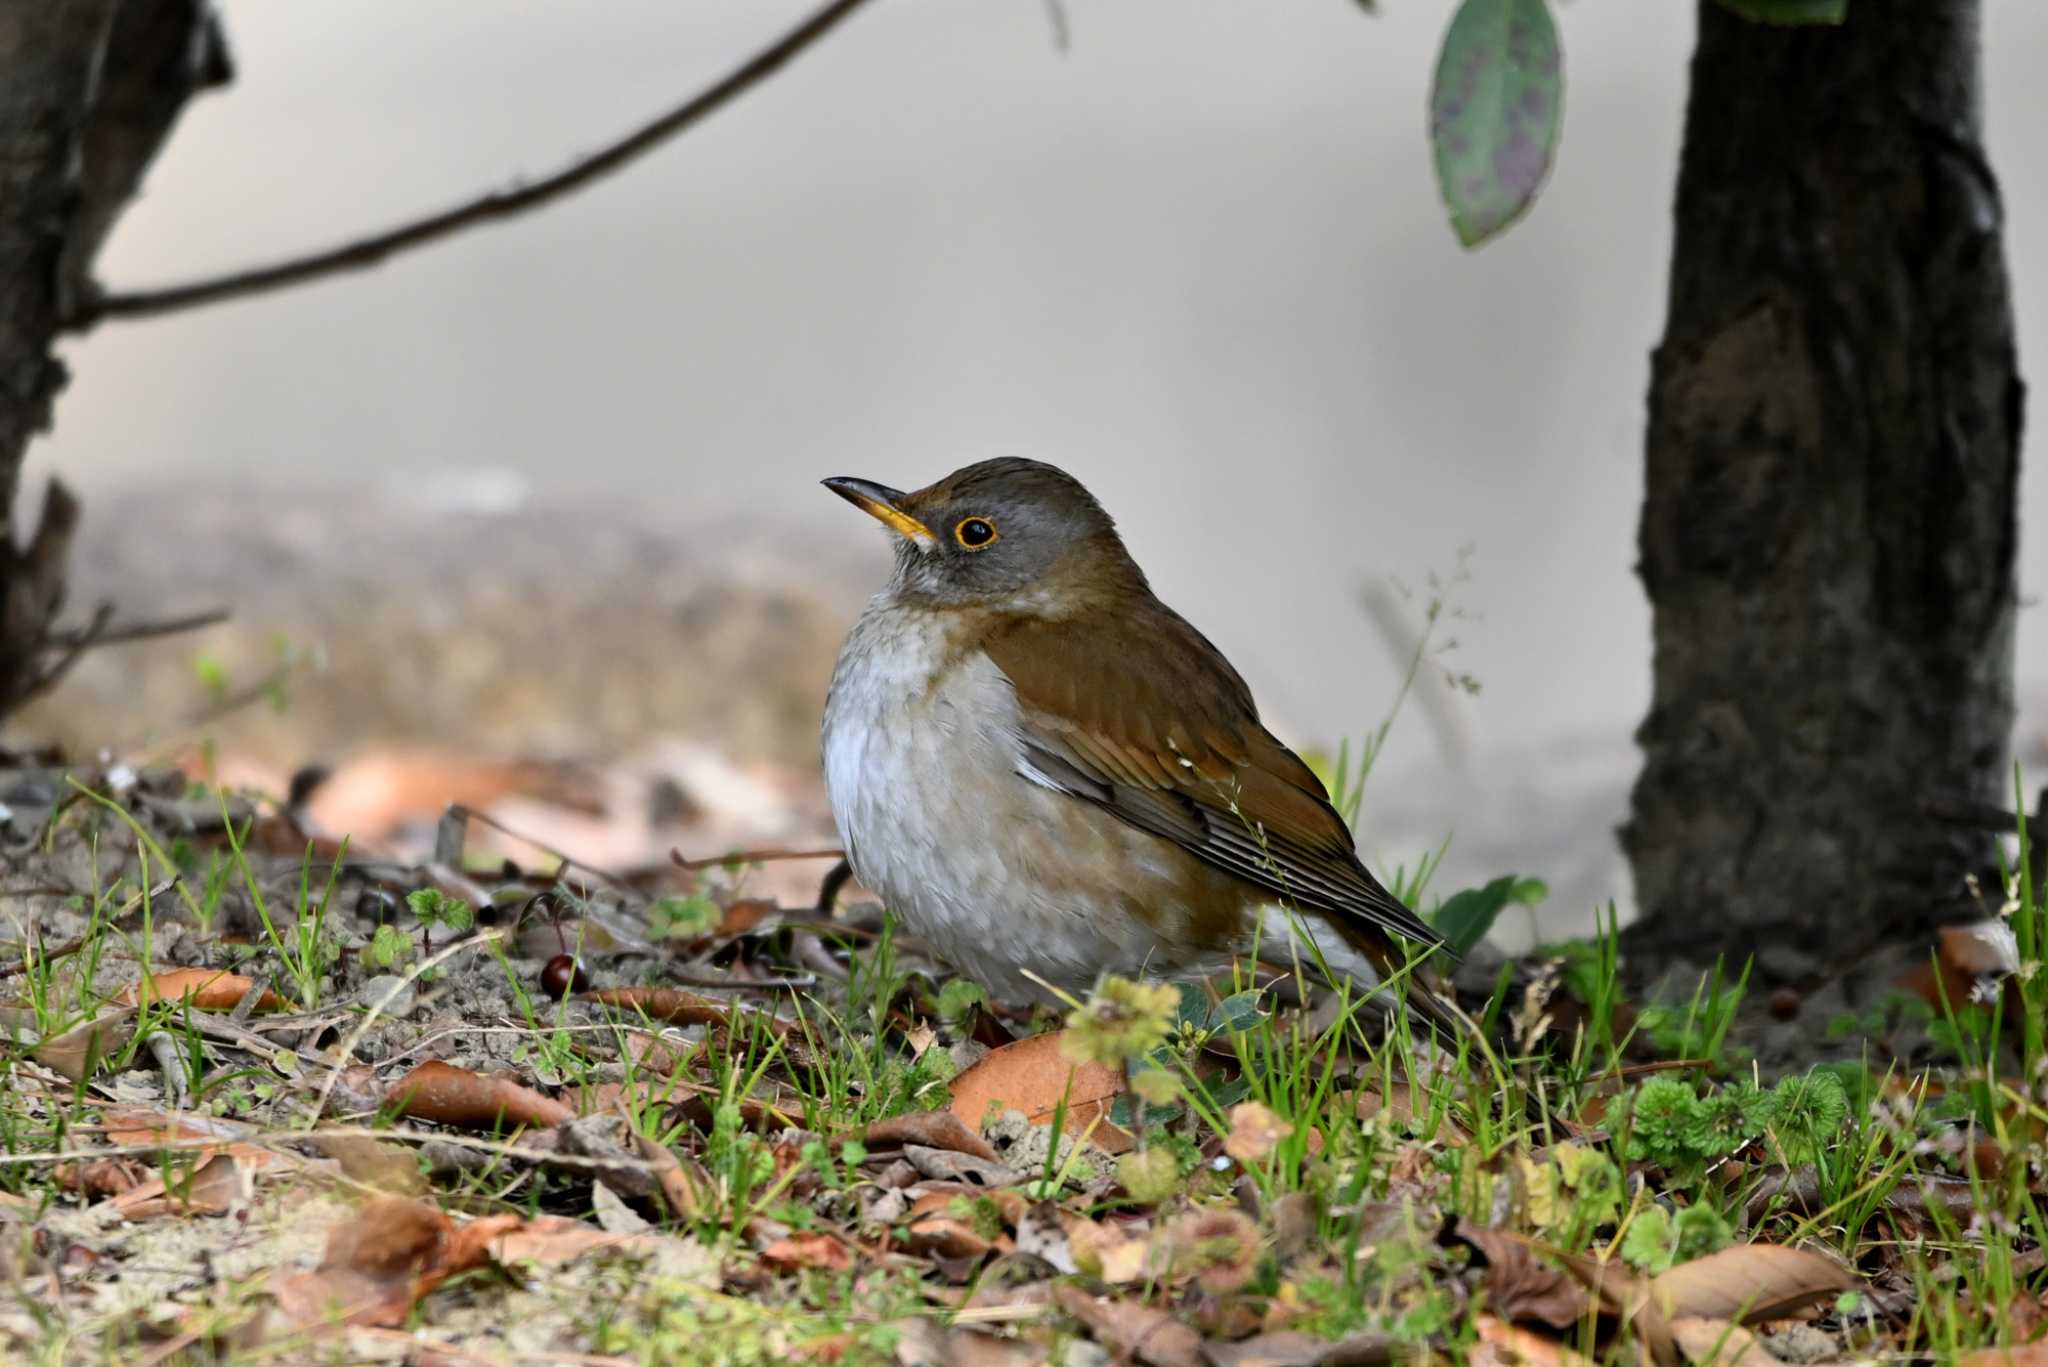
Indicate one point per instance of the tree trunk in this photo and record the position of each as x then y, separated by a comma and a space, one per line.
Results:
1829, 526
88, 91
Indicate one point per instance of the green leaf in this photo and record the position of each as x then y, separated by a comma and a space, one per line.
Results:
1701, 1231
1235, 1014
1651, 1243
958, 997
1790, 11
1494, 112
1466, 916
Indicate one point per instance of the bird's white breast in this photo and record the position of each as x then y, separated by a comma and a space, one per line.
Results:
924, 767
942, 818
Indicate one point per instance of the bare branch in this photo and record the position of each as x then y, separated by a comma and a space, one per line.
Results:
141, 631
376, 248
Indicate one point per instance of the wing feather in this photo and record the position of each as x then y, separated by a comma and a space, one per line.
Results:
1175, 747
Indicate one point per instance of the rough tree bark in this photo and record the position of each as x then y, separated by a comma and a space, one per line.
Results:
1829, 527
89, 89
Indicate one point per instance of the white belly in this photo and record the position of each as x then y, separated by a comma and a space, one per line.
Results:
971, 856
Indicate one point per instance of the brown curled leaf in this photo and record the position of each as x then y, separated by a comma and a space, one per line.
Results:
448, 1095
1749, 1283
933, 1130
1519, 1286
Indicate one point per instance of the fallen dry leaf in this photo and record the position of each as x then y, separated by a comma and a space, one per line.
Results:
203, 989
1104, 1251
78, 1051
448, 1095
1255, 1131
1219, 1247
1749, 1282
1400, 1102
381, 1262
393, 1169
678, 1007
943, 1236
827, 1251
933, 1130
217, 1185
1625, 1296
100, 1177
1148, 1335
1292, 1348
1503, 1343
1032, 1076
551, 1240
2026, 1355
1720, 1342
1519, 1285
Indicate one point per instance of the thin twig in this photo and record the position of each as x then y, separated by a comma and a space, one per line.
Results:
712, 984
374, 249
142, 631
748, 857
567, 861
75, 645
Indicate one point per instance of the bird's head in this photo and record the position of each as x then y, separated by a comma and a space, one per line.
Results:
1007, 532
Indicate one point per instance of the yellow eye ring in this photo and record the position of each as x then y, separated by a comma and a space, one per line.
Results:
975, 533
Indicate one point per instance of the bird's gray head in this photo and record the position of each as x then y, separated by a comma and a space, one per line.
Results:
993, 532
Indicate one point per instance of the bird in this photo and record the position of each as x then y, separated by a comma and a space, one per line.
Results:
1048, 775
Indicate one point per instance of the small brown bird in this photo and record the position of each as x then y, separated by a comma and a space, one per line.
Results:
1046, 772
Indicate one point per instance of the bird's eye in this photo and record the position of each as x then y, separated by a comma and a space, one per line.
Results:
975, 533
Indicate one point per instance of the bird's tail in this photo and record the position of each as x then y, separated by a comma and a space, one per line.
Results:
1422, 996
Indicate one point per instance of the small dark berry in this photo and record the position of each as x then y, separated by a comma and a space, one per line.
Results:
563, 975
1785, 1003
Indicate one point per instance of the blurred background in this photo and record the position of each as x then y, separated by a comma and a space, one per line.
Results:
547, 492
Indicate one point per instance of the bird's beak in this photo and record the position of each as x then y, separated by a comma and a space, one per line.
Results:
885, 505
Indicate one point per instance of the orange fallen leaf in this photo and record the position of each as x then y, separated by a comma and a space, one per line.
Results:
826, 1251
204, 989
448, 1095
1502, 1342
551, 1240
1032, 1076
746, 914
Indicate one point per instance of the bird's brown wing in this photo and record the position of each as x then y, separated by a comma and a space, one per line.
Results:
1139, 714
